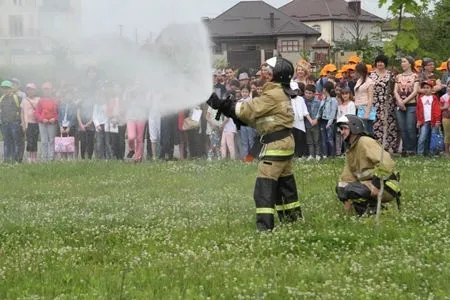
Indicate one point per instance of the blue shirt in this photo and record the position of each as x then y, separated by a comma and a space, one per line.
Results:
328, 110
313, 109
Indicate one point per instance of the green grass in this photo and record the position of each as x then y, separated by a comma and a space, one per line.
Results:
186, 230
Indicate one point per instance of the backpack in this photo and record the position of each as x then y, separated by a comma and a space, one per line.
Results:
16, 99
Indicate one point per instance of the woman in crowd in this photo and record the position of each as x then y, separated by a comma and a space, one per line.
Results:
30, 124
428, 67
405, 93
136, 118
86, 128
100, 120
385, 105
47, 117
302, 71
364, 92
446, 73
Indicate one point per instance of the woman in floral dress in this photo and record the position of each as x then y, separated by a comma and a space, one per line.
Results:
384, 104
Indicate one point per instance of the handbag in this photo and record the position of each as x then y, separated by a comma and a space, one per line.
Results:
362, 111
192, 122
65, 144
436, 141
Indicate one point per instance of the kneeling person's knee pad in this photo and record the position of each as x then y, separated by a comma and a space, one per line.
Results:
353, 191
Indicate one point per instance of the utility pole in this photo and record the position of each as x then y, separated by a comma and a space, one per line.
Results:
121, 30
136, 36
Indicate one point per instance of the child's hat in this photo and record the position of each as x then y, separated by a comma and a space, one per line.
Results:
429, 82
354, 60
243, 76
442, 67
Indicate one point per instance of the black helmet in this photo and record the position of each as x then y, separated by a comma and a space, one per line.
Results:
354, 123
282, 70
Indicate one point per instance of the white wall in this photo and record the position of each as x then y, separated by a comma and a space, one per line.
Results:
343, 30
29, 13
326, 29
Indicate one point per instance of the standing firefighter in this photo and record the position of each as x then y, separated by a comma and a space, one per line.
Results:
272, 116
360, 181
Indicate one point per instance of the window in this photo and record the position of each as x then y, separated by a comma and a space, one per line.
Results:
15, 26
30, 3
290, 46
17, 2
316, 28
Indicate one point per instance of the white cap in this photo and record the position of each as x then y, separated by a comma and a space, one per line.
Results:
294, 85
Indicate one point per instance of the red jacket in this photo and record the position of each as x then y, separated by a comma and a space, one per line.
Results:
435, 111
47, 108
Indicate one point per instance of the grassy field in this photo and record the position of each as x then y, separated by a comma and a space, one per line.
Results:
186, 230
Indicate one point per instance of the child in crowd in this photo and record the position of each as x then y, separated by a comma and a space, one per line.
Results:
300, 114
428, 113
327, 116
30, 124
67, 117
228, 134
445, 108
312, 128
47, 116
346, 106
247, 134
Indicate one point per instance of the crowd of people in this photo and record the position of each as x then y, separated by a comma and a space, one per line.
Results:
401, 109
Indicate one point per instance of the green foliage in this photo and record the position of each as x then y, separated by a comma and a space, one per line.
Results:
185, 230
432, 30
406, 40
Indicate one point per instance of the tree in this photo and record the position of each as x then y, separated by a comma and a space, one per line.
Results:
406, 39
432, 31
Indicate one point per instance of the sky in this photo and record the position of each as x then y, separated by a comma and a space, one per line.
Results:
105, 16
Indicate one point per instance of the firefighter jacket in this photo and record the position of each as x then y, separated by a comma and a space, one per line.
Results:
269, 113
362, 160
362, 164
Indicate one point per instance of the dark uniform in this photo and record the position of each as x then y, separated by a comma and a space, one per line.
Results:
360, 180
272, 116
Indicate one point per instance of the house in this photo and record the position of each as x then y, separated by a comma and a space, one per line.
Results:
336, 20
252, 31
28, 27
18, 26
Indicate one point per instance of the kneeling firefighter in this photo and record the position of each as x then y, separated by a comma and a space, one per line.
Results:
360, 181
272, 116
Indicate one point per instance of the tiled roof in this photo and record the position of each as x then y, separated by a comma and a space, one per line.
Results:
252, 18
321, 10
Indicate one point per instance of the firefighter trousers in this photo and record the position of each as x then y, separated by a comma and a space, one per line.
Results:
275, 192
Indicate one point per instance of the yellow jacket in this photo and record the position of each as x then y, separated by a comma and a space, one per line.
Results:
271, 112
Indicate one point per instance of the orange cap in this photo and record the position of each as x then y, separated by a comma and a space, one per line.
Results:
330, 68
417, 64
369, 68
443, 66
346, 68
339, 75
355, 59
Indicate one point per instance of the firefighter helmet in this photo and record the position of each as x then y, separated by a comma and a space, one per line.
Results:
282, 70
354, 123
